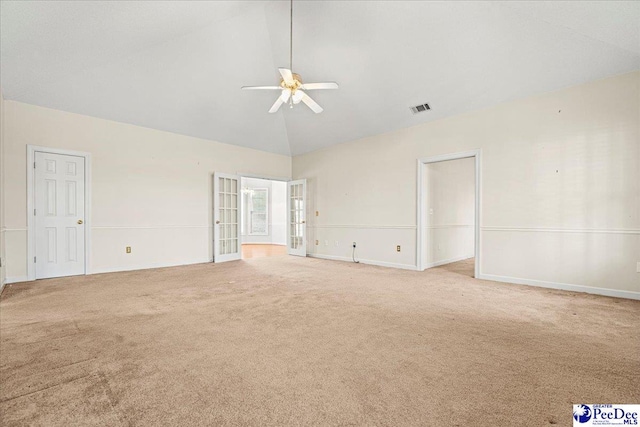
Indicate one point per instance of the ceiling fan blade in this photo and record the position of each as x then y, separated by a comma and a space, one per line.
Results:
297, 96
326, 85
286, 74
311, 104
261, 87
276, 105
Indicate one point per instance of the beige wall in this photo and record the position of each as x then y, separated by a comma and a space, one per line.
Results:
449, 211
151, 190
560, 188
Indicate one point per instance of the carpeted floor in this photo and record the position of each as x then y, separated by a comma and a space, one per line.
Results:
301, 341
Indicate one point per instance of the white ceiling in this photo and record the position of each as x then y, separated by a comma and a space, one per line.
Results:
179, 66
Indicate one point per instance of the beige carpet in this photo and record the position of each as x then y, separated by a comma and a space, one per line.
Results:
295, 341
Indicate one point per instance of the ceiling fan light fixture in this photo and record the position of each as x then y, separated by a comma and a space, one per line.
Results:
291, 83
286, 93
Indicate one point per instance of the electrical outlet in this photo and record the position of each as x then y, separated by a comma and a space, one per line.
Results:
128, 249
336, 243
398, 248
317, 242
317, 213
326, 243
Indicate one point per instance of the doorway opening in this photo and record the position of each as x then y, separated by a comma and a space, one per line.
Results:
263, 217
448, 213
250, 210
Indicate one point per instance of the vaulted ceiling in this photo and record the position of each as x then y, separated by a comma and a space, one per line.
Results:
178, 66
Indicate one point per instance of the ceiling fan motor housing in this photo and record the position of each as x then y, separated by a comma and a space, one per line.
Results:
296, 84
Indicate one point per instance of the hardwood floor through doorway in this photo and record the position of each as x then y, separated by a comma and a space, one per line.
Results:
259, 251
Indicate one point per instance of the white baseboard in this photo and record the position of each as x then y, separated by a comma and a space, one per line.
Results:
447, 261
148, 267
117, 270
364, 261
505, 279
563, 286
18, 279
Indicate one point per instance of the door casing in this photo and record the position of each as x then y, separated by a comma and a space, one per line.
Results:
420, 236
243, 175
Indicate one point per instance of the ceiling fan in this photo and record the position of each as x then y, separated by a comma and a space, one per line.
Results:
291, 86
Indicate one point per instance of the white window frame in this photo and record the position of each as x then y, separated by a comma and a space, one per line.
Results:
266, 215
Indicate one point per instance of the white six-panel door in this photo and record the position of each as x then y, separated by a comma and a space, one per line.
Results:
296, 217
59, 215
226, 217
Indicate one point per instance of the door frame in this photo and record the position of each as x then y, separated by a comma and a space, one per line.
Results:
421, 237
258, 176
31, 193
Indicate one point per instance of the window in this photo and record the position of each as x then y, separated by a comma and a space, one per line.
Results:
257, 207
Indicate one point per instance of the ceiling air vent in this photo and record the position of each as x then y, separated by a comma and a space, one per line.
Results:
420, 108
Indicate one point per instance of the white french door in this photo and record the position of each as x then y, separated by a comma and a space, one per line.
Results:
226, 217
297, 217
59, 215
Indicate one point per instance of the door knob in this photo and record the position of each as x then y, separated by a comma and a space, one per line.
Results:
304, 222
79, 221
218, 222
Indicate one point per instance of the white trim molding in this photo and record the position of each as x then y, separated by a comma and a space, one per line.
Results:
421, 235
365, 227
19, 279
564, 230
148, 227
31, 234
437, 227
364, 261
150, 266
563, 286
447, 261
265, 177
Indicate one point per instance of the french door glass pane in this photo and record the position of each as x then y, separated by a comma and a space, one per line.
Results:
228, 215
